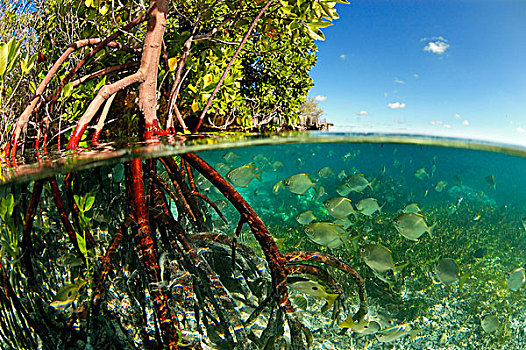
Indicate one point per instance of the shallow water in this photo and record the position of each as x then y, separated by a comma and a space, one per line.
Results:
473, 195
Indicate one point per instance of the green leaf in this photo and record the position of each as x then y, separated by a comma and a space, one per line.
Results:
23, 64
89, 203
67, 90
3, 208
14, 53
315, 33
82, 244
77, 200
99, 85
4, 52
31, 63
10, 202
320, 24
11, 45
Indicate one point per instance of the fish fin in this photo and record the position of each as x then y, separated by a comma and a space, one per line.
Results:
430, 229
347, 323
398, 268
258, 175
330, 299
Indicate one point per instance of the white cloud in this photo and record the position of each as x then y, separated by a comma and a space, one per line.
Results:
320, 98
436, 122
343, 57
457, 115
398, 81
386, 94
520, 129
396, 105
465, 122
439, 38
437, 45
362, 113
416, 76
447, 126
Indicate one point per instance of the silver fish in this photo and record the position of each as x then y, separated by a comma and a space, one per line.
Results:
325, 172
412, 226
299, 183
516, 279
306, 217
222, 168
358, 183
243, 175
447, 271
440, 186
379, 258
339, 207
421, 174
327, 234
343, 190
368, 206
411, 208
490, 323
393, 333
230, 157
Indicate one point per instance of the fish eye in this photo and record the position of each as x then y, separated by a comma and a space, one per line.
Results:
314, 288
362, 250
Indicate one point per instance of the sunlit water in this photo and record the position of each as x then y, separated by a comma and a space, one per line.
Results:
472, 194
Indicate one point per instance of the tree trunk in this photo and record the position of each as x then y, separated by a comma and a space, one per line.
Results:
149, 63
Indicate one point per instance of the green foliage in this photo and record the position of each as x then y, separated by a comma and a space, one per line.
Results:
9, 235
84, 204
264, 88
17, 44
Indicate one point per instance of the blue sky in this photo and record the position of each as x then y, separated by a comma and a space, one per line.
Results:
455, 68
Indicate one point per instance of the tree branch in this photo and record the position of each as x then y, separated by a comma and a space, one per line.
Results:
241, 44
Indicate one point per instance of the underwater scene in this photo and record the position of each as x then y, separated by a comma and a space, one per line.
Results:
321, 245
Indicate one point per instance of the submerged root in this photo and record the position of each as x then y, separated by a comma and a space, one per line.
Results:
174, 284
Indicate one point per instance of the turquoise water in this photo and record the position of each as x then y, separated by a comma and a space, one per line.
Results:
472, 198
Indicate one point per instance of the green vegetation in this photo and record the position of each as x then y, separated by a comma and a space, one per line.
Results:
162, 66
17, 60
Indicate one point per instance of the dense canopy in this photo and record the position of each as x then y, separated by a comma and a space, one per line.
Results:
162, 67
